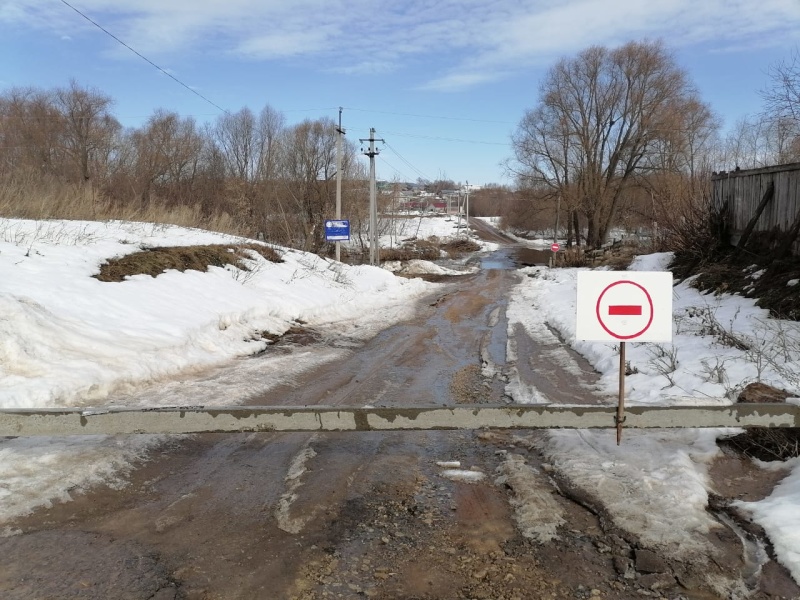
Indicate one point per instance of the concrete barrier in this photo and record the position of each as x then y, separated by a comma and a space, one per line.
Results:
237, 419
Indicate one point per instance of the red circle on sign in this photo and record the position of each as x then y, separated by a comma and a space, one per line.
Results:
605, 327
554, 247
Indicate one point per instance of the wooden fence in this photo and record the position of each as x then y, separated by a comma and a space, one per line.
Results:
765, 200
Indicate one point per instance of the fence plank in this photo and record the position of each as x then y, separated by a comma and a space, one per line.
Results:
743, 189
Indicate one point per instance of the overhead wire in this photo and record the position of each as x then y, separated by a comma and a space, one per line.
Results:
226, 111
144, 58
402, 158
393, 168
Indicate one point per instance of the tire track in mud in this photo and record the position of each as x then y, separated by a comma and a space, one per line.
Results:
364, 514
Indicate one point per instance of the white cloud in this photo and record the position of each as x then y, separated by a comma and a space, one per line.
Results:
468, 41
280, 44
455, 82
367, 67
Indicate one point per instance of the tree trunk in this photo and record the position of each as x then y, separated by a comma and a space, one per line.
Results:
569, 229
577, 227
591, 231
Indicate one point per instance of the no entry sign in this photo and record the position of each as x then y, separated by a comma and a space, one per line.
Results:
554, 246
624, 306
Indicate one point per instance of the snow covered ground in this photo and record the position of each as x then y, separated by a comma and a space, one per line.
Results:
67, 339
656, 483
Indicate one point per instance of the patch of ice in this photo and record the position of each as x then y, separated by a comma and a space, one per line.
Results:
538, 515
467, 476
293, 481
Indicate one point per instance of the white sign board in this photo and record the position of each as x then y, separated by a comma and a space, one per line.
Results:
620, 306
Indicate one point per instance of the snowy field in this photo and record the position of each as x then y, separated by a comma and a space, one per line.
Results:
67, 339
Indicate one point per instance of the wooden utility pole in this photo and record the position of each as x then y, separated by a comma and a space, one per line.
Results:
558, 214
374, 253
467, 203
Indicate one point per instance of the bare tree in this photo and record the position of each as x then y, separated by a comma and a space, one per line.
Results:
167, 155
440, 184
237, 137
267, 184
761, 141
600, 116
308, 166
247, 168
782, 108
675, 174
492, 200
88, 128
249, 145
30, 133
782, 97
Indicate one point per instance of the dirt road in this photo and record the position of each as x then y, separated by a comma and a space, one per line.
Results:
439, 515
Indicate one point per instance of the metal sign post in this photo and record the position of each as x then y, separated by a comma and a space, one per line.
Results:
620, 418
554, 247
618, 306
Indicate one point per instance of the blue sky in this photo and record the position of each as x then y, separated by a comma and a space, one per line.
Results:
444, 82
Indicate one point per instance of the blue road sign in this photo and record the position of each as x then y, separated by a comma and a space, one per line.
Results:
337, 230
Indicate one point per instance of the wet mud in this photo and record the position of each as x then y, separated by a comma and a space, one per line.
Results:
411, 515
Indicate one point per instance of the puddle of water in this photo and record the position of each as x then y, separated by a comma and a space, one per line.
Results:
499, 260
754, 555
496, 262
493, 349
530, 257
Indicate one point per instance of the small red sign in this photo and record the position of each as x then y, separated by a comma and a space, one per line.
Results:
554, 247
609, 302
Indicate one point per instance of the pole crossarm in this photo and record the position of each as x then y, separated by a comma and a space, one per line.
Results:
238, 419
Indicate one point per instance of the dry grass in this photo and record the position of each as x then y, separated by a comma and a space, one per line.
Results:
416, 249
459, 247
572, 257
46, 198
767, 444
154, 261
618, 257
430, 249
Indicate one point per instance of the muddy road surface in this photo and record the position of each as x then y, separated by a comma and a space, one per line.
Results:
419, 515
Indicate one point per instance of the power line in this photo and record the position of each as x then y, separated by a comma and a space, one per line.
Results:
412, 167
144, 58
395, 169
